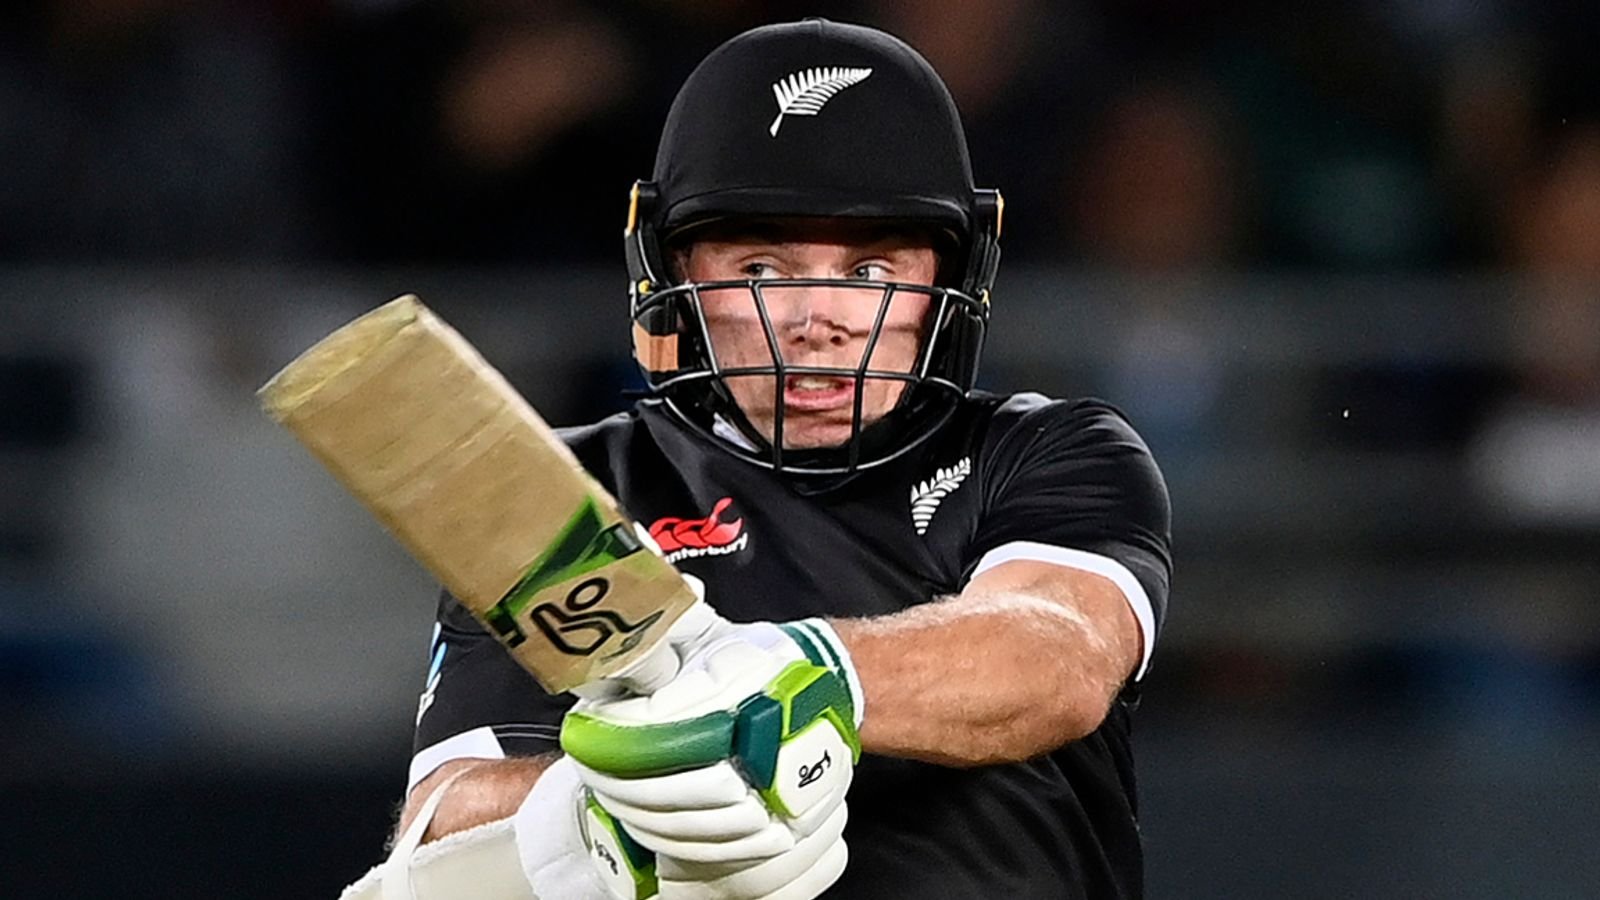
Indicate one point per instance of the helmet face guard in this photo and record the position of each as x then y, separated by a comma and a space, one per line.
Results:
866, 132
716, 391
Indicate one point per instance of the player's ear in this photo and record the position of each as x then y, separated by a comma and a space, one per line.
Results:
678, 262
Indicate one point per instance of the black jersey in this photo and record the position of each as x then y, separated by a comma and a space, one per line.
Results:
1007, 478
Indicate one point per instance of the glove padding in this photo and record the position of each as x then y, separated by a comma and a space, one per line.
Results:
630, 872
802, 873
554, 846
743, 753
735, 771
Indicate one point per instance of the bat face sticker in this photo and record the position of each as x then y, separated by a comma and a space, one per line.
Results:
563, 627
574, 627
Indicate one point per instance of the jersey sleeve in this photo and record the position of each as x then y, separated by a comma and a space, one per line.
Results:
477, 701
1072, 483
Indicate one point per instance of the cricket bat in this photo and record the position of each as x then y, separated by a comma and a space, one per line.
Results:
434, 442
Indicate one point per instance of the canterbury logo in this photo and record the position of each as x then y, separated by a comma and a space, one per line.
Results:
805, 92
926, 497
681, 538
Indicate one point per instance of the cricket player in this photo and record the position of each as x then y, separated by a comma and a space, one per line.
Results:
927, 608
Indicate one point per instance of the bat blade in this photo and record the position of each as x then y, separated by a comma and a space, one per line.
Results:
434, 442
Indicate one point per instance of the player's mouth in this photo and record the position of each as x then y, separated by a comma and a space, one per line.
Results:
816, 393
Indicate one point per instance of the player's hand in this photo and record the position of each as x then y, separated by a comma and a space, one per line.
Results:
571, 846
744, 694
751, 746
631, 872
740, 789
736, 770
701, 631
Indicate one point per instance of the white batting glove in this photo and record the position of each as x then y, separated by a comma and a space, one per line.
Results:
570, 847
553, 847
746, 750
736, 771
631, 872
802, 873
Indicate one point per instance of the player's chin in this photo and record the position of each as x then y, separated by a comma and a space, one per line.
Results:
814, 429
815, 439
808, 431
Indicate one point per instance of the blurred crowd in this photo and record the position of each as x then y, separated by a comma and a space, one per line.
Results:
1147, 135
1156, 138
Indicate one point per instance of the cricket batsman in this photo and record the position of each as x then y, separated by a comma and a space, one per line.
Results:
927, 608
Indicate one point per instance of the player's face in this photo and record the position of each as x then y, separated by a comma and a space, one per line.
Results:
821, 326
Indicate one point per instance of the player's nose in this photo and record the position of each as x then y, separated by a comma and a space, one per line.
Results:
815, 316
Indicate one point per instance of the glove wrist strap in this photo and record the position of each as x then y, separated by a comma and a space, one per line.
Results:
824, 647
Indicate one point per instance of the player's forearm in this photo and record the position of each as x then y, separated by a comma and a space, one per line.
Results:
995, 675
491, 789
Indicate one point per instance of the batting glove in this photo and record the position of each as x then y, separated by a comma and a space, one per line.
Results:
631, 872
736, 771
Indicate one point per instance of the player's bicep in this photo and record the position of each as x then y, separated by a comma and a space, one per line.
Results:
478, 702
1094, 597
1078, 489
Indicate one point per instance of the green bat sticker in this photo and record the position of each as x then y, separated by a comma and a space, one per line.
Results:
583, 546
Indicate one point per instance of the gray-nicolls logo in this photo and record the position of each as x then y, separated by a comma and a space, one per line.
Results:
926, 497
805, 92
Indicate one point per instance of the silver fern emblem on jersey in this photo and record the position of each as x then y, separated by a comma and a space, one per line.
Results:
805, 92
926, 497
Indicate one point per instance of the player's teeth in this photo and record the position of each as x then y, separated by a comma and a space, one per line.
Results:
813, 383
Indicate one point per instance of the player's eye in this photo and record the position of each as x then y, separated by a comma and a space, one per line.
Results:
871, 272
757, 270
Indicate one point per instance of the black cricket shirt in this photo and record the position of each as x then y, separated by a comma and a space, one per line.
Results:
1018, 477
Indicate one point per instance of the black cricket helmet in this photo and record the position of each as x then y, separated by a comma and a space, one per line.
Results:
798, 120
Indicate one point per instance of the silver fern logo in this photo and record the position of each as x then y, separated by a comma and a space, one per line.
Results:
926, 497
805, 92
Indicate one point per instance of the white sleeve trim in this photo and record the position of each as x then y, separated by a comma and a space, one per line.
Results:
479, 743
1104, 566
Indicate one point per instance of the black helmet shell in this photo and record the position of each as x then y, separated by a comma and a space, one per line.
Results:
870, 131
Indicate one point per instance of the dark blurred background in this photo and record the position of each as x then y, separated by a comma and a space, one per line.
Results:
1340, 262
